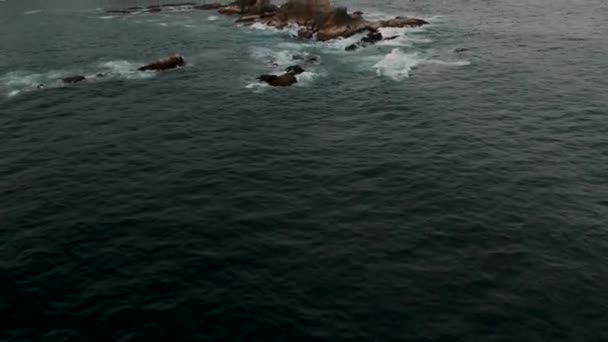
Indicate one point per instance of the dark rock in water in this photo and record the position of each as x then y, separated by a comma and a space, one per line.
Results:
295, 69
100, 75
207, 7
40, 86
458, 50
352, 47
371, 38
119, 12
73, 79
305, 33
165, 64
285, 80
178, 4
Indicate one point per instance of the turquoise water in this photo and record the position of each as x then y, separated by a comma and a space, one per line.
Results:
448, 185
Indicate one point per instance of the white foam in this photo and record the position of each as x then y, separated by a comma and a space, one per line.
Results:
106, 17
125, 69
291, 29
306, 78
448, 63
17, 82
13, 93
340, 44
257, 85
212, 18
264, 27
32, 12
397, 64
282, 58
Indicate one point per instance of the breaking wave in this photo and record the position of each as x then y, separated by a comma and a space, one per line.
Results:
18, 82
398, 65
32, 12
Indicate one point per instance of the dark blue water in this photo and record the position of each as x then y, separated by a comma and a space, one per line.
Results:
451, 185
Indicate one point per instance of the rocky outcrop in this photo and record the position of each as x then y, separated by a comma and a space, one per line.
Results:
285, 80
339, 24
317, 18
165, 64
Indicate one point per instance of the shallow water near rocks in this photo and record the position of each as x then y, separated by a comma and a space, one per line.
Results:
448, 185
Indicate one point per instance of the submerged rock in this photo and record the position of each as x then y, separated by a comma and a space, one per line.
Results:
165, 64
73, 79
285, 80
207, 7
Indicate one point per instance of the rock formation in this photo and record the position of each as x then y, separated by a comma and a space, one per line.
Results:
165, 64
285, 80
317, 18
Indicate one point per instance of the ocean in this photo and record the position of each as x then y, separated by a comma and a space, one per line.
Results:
448, 185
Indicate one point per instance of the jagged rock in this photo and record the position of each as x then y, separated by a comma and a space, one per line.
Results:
285, 80
304, 12
165, 64
73, 79
372, 38
339, 24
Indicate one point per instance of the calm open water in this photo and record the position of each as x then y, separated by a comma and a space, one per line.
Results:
451, 185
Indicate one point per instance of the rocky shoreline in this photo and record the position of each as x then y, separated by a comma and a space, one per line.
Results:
317, 19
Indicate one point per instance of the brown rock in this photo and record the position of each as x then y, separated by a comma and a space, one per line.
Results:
338, 23
230, 10
403, 22
165, 64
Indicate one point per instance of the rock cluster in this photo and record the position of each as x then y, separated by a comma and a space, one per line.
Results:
317, 18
